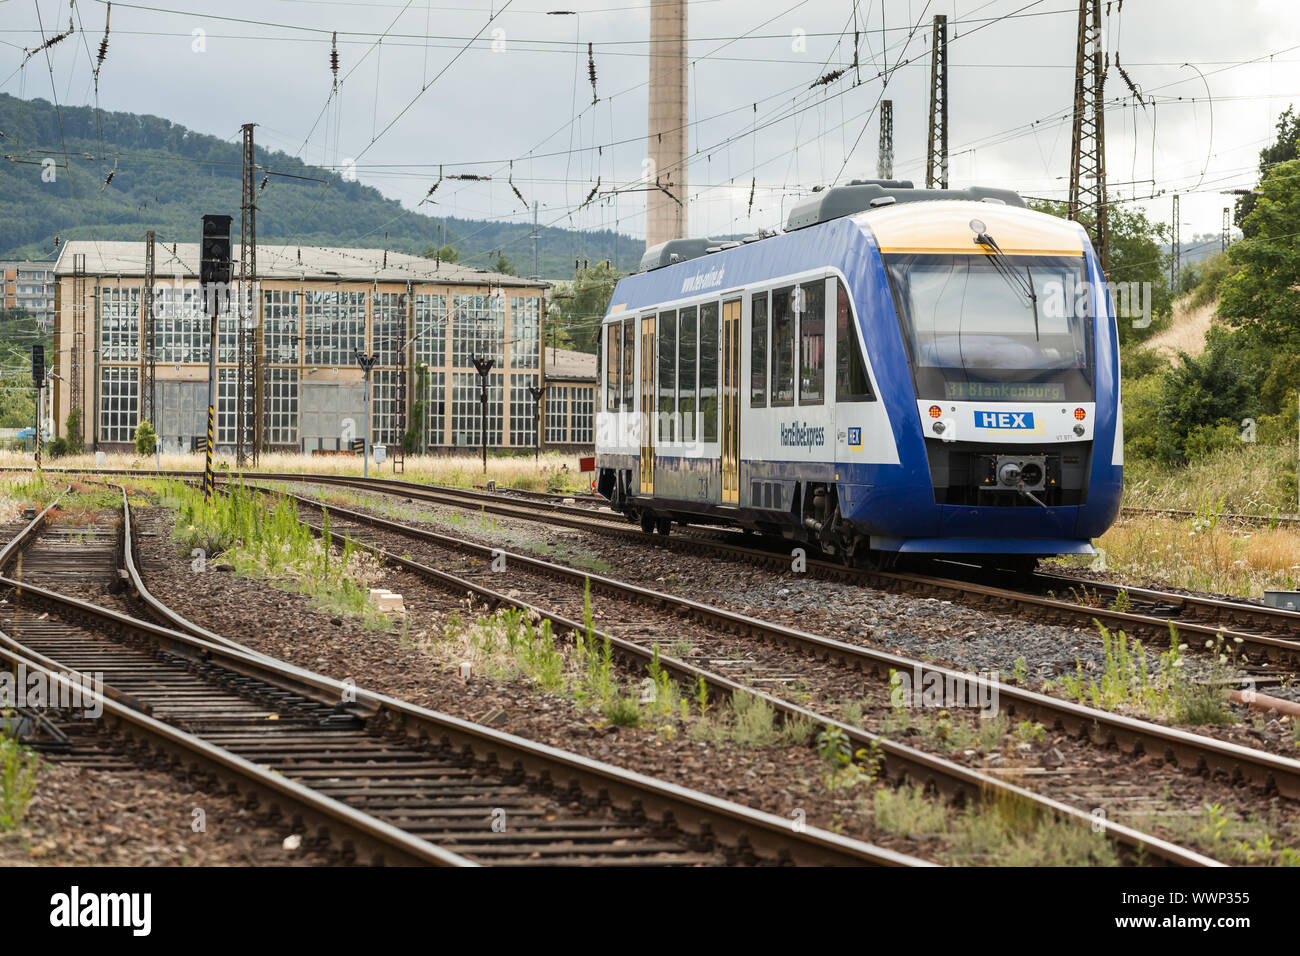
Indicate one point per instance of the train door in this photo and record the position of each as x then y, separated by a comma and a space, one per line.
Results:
647, 429
731, 402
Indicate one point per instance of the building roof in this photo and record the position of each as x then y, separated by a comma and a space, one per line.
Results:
44, 264
570, 366
318, 263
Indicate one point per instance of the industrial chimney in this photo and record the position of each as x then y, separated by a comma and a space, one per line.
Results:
666, 191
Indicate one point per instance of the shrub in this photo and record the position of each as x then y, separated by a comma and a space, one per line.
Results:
146, 439
18, 769
72, 425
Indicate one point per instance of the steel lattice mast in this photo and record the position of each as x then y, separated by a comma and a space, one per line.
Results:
1088, 141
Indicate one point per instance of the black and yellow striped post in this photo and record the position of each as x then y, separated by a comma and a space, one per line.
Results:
214, 278
209, 479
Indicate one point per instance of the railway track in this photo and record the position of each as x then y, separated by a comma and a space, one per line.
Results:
729, 672
1269, 637
1250, 520
375, 779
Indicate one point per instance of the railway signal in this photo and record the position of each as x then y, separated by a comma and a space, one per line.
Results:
537, 392
484, 366
367, 362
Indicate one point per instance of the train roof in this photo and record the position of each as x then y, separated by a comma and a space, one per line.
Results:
918, 225
826, 205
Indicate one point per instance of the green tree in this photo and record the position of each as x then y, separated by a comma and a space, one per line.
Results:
1136, 255
1284, 149
503, 265
576, 321
1261, 294
146, 439
446, 253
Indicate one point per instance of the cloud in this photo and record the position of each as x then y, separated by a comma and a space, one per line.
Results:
524, 94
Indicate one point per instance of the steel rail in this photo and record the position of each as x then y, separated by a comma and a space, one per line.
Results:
769, 836
902, 761
19, 540
1257, 767
1258, 647
380, 842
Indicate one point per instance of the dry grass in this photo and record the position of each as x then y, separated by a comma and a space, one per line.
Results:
1186, 331
554, 472
1204, 556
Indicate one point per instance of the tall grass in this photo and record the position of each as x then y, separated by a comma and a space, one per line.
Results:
266, 537
1125, 682
18, 769
552, 472
1249, 478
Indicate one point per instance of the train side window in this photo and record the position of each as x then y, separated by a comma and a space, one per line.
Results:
629, 364
667, 375
851, 382
709, 372
782, 347
614, 366
811, 297
758, 352
687, 349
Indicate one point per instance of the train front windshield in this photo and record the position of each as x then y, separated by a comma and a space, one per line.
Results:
977, 332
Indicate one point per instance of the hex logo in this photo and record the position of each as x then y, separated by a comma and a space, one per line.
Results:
1017, 420
855, 438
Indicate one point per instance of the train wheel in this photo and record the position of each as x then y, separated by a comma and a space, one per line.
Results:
877, 560
647, 522
664, 525
848, 551
1021, 566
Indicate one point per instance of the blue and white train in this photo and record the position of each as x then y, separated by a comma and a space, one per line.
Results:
902, 371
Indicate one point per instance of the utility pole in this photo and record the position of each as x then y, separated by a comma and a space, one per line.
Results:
402, 363
1088, 140
537, 393
367, 362
248, 420
885, 161
936, 153
38, 381
77, 399
1175, 252
148, 355
536, 274
214, 277
1226, 238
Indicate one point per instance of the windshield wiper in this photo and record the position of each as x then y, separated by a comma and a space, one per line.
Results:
1023, 287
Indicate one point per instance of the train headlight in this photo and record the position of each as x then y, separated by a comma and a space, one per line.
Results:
938, 428
935, 411
1080, 414
1009, 474
1079, 430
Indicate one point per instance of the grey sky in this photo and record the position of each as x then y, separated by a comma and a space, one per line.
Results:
493, 105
